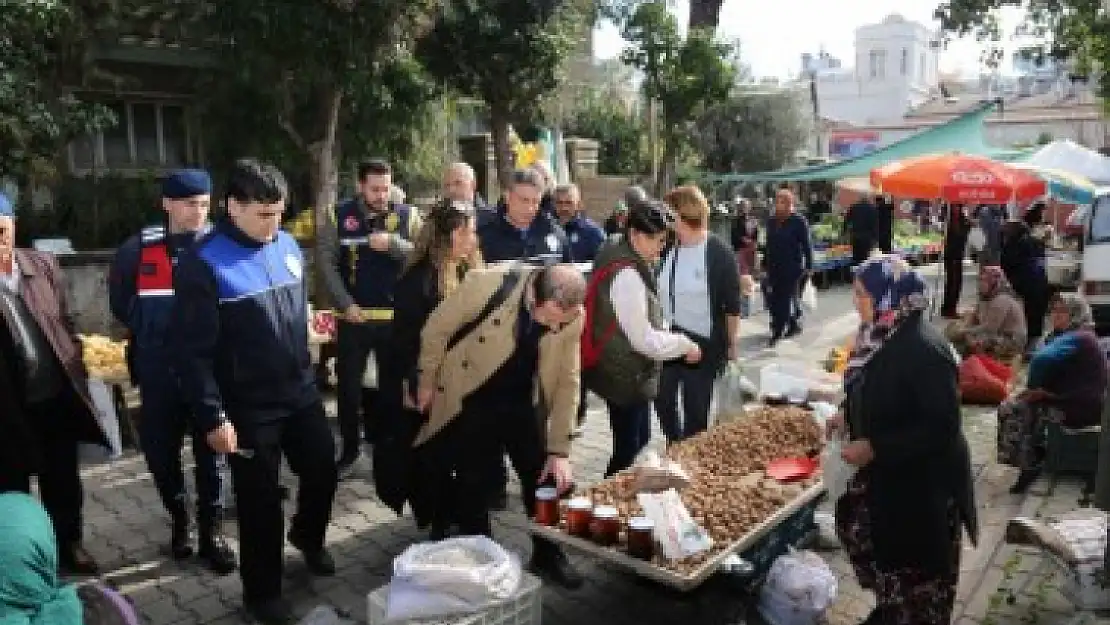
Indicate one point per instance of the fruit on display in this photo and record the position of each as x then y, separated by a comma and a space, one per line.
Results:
729, 492
104, 358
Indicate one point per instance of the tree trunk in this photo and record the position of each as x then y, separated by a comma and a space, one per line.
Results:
502, 150
324, 178
705, 14
670, 165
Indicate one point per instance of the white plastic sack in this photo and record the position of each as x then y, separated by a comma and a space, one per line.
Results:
796, 382
799, 588
835, 472
809, 297
674, 529
457, 576
323, 615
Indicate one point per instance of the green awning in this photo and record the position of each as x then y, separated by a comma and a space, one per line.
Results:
963, 134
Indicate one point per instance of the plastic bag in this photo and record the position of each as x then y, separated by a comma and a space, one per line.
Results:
799, 588
978, 385
653, 474
797, 382
998, 369
809, 297
675, 530
835, 472
732, 391
456, 576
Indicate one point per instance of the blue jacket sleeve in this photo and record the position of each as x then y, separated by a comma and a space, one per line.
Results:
1051, 354
122, 278
196, 319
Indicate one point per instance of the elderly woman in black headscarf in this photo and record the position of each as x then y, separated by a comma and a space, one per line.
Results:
901, 520
1066, 384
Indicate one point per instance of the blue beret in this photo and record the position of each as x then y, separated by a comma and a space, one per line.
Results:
185, 183
6, 208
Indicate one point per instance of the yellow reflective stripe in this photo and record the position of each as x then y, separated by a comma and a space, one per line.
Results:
377, 314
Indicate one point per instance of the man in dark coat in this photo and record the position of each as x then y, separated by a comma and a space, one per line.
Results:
861, 225
788, 261
35, 320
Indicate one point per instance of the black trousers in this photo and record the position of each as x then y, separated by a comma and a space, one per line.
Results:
631, 428
305, 440
58, 471
1035, 299
165, 420
953, 282
476, 437
696, 385
358, 408
783, 299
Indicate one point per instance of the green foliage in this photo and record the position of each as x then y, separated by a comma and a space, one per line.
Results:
685, 75
41, 59
750, 131
507, 53
621, 134
1073, 30
94, 212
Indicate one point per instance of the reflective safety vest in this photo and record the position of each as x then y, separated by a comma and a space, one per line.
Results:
153, 290
370, 276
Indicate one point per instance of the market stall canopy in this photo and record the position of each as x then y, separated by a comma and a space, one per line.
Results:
1067, 155
963, 134
1063, 185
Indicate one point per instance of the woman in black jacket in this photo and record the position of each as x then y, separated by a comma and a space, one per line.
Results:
901, 518
1023, 261
446, 248
17, 444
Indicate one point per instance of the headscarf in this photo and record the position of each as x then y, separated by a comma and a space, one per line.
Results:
30, 591
993, 282
1079, 312
897, 291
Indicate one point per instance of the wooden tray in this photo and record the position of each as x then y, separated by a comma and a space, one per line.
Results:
665, 576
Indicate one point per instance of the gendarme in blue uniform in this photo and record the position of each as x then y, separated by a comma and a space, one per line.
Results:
370, 275
241, 317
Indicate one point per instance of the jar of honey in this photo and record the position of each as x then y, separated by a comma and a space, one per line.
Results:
579, 515
547, 506
606, 526
641, 539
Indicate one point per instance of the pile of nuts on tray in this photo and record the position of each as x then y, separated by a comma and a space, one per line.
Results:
729, 493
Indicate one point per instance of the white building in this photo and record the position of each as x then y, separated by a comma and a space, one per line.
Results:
896, 70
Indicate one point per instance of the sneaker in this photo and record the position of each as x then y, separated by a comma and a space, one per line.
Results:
272, 612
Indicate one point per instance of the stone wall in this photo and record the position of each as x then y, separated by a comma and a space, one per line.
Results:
86, 276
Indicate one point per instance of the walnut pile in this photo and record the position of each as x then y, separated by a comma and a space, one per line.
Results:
729, 493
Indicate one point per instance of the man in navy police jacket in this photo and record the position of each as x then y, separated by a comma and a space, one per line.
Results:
242, 356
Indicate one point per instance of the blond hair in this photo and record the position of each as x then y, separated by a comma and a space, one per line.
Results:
690, 204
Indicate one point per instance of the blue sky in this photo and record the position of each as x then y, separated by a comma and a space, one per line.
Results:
774, 34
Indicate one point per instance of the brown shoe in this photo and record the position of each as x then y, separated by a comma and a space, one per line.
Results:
76, 560
1032, 533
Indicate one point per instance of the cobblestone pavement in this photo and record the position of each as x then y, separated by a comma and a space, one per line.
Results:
126, 529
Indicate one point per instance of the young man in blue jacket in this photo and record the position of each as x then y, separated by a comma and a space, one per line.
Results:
241, 353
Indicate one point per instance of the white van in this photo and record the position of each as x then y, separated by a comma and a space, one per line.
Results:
1096, 260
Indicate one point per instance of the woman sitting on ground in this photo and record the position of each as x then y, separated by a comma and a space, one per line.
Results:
996, 327
901, 520
30, 591
1066, 383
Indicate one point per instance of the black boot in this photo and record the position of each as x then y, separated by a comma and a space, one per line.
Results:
346, 463
318, 560
1024, 481
214, 550
180, 545
272, 612
549, 562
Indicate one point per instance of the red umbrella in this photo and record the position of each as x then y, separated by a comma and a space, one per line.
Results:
958, 178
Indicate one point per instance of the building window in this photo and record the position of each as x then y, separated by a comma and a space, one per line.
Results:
147, 135
877, 60
904, 63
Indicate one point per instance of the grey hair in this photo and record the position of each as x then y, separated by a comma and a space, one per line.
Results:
634, 195
465, 168
569, 189
561, 283
529, 177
